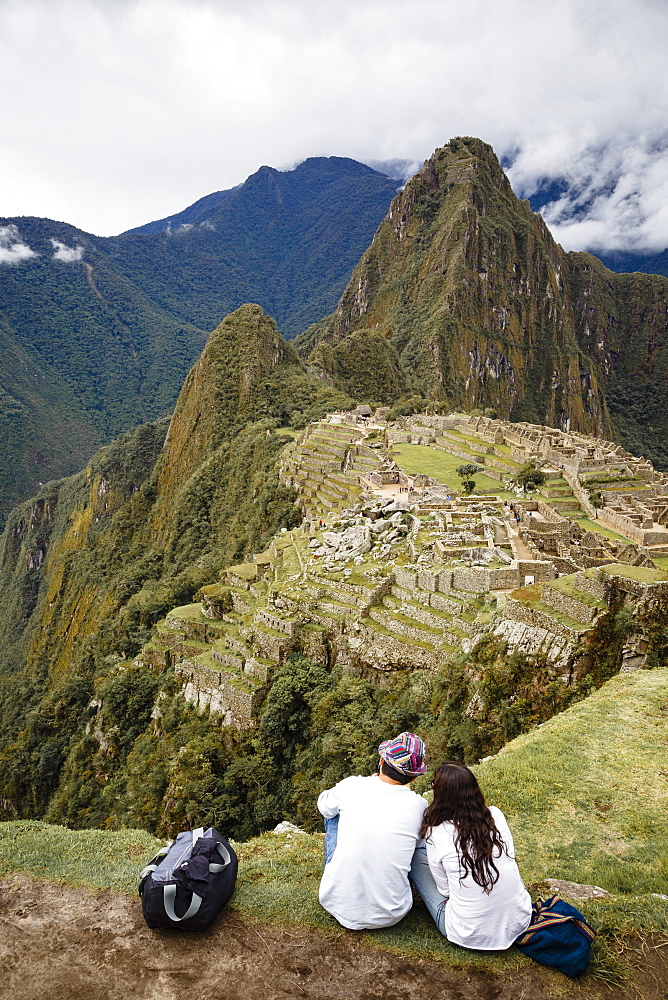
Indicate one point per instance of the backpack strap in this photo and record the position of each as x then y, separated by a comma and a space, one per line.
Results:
199, 832
151, 867
544, 916
225, 855
170, 899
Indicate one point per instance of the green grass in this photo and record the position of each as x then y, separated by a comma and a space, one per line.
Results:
585, 522
191, 612
278, 882
566, 585
441, 465
560, 617
587, 798
643, 574
245, 571
95, 859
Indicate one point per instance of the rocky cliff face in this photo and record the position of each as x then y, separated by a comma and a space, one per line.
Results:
89, 564
150, 505
464, 297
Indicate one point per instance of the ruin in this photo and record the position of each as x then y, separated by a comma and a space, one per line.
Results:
393, 570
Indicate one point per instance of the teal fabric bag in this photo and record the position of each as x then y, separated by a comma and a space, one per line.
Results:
558, 936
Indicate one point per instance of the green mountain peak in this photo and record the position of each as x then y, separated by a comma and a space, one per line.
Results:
464, 297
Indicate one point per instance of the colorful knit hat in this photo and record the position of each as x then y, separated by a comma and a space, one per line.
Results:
405, 753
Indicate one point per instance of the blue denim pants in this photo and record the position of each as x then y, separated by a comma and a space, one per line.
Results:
331, 835
423, 880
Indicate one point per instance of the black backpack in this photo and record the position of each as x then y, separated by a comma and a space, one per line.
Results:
185, 885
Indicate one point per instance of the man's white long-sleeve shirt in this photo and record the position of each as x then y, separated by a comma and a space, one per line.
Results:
365, 885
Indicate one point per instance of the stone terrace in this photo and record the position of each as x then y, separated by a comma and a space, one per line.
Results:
376, 581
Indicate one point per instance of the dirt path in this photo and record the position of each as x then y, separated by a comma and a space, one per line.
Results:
69, 944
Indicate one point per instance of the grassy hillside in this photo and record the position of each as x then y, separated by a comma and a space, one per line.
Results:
586, 793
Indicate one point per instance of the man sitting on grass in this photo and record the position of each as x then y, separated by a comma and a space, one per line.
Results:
371, 831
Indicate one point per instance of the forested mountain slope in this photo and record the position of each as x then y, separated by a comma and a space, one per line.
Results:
85, 356
98, 334
88, 565
464, 298
285, 239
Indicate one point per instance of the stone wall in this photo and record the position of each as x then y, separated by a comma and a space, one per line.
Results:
625, 526
406, 577
443, 603
541, 570
517, 611
387, 652
239, 604
478, 579
274, 621
597, 586
207, 689
273, 647
570, 606
401, 628
233, 660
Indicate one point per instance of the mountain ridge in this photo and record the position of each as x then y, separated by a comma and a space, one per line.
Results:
463, 297
114, 324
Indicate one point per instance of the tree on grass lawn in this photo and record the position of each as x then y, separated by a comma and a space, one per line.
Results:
465, 472
595, 499
529, 476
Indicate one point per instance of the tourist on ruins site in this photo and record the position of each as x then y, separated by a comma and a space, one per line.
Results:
371, 832
467, 874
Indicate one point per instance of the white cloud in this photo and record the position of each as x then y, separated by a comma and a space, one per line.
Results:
186, 97
615, 197
12, 248
67, 254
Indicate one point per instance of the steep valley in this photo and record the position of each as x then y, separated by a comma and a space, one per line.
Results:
209, 586
226, 611
442, 509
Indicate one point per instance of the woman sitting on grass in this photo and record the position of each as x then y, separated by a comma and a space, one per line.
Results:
467, 874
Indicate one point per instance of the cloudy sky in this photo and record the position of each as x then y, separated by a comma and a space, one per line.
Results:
116, 112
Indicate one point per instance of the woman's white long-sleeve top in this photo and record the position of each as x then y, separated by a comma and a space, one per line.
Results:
473, 918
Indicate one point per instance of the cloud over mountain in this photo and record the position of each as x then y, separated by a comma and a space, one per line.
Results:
66, 254
191, 97
12, 248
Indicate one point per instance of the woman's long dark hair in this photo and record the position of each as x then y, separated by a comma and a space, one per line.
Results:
458, 799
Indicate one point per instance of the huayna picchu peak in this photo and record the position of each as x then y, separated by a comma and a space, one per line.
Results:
464, 298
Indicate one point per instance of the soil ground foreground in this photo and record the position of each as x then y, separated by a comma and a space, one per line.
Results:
77, 945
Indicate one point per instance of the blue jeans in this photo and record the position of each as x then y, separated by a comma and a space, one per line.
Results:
331, 835
423, 880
